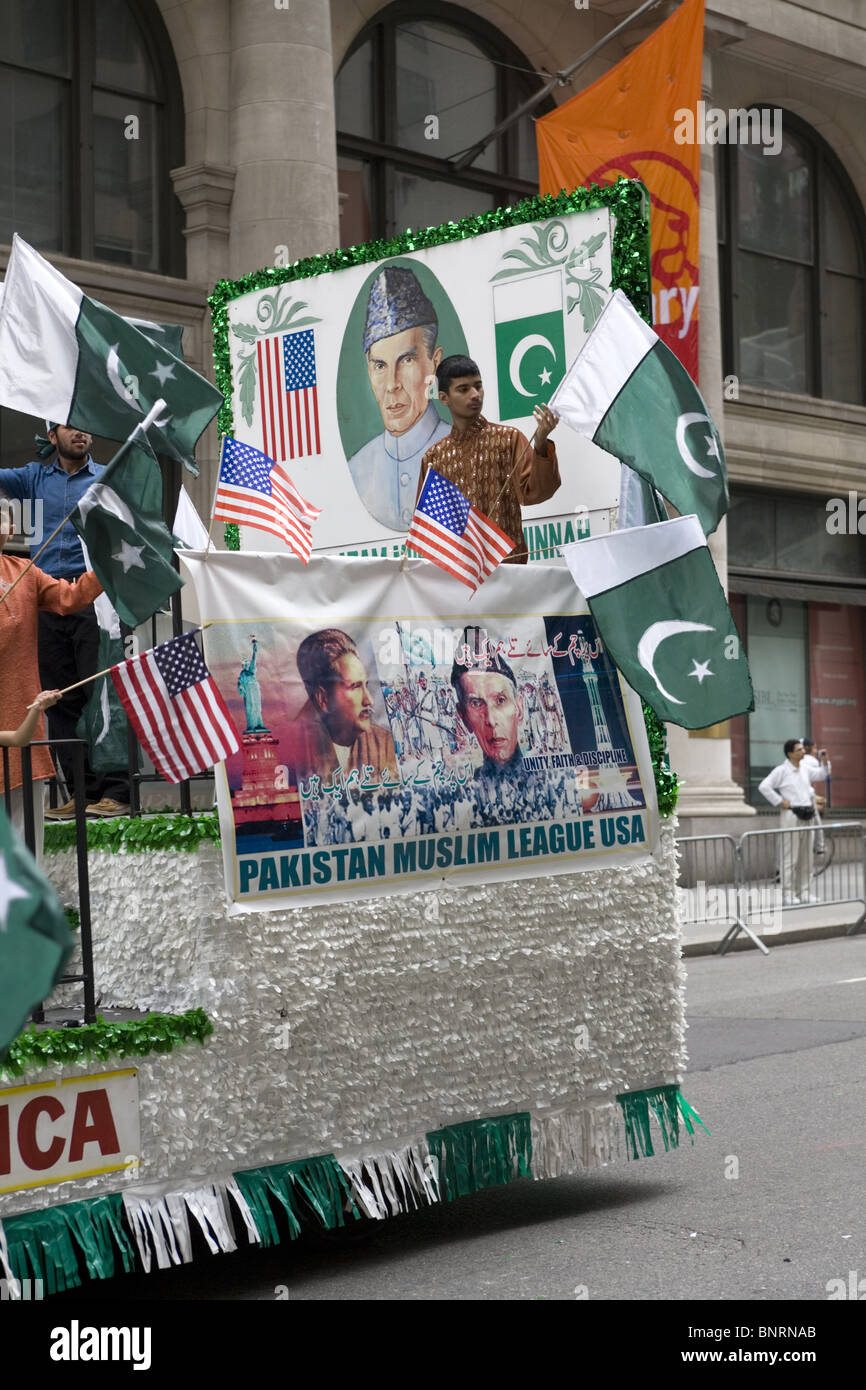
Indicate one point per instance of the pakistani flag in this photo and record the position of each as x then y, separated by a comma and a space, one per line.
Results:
628, 393
162, 335
188, 528
530, 341
103, 721
67, 358
34, 939
664, 618
119, 518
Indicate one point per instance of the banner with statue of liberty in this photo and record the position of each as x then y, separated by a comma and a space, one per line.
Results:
391, 741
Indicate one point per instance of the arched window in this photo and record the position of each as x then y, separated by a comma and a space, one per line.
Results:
91, 123
420, 85
792, 235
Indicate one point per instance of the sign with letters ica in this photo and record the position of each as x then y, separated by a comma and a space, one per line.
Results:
78, 1127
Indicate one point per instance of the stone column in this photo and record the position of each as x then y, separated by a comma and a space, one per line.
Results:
204, 191
702, 757
282, 133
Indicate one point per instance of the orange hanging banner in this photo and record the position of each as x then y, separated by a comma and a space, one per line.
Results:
625, 125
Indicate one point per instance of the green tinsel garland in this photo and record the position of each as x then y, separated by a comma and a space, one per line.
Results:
43, 1047
481, 1153
45, 1244
667, 782
471, 1156
668, 1106
175, 831
312, 1184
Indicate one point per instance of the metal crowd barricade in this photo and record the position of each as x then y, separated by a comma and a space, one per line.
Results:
710, 885
740, 882
77, 749
837, 877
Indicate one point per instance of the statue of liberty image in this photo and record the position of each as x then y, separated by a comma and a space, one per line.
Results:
251, 693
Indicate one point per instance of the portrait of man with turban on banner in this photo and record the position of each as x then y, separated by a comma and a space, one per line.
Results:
401, 350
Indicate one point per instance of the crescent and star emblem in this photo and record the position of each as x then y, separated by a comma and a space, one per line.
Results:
686, 454
113, 371
530, 341
652, 639
112, 368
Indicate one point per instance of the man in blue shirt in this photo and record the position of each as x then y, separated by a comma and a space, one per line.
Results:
68, 646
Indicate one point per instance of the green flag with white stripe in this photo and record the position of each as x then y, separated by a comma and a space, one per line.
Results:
119, 519
629, 394
34, 938
68, 358
663, 617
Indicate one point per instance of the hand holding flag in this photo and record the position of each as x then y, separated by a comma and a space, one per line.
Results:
174, 705
628, 393
255, 491
119, 519
122, 508
68, 358
456, 536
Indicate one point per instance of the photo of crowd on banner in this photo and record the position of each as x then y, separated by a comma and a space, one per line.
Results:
368, 733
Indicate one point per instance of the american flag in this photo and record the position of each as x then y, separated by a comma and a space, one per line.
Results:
448, 530
288, 396
255, 491
181, 720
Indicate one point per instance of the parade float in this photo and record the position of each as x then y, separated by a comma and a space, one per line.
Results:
360, 991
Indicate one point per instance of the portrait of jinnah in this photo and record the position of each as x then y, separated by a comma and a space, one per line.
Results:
402, 353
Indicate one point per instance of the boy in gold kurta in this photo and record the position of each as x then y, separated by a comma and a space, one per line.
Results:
494, 466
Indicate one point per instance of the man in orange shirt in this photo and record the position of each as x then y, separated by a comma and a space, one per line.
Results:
19, 667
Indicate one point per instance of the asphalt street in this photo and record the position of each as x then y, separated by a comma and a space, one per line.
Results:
770, 1206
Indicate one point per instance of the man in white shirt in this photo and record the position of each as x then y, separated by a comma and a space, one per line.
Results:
818, 766
789, 785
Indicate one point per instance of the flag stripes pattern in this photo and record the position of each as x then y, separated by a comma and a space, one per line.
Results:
255, 491
452, 533
179, 716
288, 396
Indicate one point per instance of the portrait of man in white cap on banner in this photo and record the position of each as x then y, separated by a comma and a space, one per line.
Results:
402, 353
